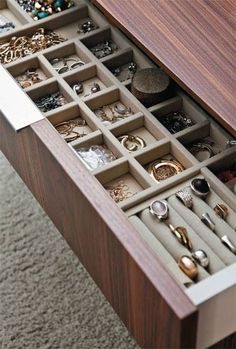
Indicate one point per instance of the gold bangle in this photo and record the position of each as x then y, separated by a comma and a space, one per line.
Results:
138, 142
160, 170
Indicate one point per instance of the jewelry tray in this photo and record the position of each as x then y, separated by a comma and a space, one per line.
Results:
216, 284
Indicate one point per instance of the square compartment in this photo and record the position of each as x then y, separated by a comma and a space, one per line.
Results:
72, 52
139, 126
86, 78
105, 35
205, 142
18, 70
96, 140
166, 151
179, 104
12, 14
126, 178
47, 90
108, 101
74, 114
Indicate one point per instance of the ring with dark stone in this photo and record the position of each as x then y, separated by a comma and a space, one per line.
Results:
200, 187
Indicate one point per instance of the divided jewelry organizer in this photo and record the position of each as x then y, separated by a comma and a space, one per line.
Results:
213, 291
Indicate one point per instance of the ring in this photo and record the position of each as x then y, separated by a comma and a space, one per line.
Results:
221, 210
77, 64
188, 266
159, 209
201, 147
206, 219
201, 258
182, 235
200, 187
160, 170
226, 241
185, 197
138, 142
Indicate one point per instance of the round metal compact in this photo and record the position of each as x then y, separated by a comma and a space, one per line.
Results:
160, 170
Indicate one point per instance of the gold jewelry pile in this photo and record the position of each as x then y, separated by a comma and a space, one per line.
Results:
119, 191
21, 46
66, 129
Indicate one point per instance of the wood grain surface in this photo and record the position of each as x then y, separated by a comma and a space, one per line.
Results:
151, 304
192, 40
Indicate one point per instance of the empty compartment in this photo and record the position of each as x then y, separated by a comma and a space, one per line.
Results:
225, 169
205, 142
67, 57
178, 114
122, 181
137, 133
164, 161
88, 81
124, 65
104, 43
29, 72
72, 123
96, 152
10, 17
112, 106
50, 96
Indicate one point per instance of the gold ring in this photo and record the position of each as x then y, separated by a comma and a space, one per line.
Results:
182, 235
188, 266
136, 142
221, 210
160, 170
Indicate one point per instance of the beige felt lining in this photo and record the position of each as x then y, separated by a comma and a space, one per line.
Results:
143, 121
160, 250
164, 235
203, 231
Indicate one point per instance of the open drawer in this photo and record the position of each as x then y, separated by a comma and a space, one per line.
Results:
116, 240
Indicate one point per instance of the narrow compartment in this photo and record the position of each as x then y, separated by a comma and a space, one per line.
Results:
104, 43
10, 17
137, 133
164, 161
205, 142
49, 96
178, 114
96, 151
30, 72
72, 123
88, 81
122, 181
111, 107
67, 57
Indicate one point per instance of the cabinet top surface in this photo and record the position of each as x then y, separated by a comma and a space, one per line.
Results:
194, 41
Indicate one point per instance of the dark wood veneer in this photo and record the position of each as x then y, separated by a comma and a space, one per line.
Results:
193, 41
148, 300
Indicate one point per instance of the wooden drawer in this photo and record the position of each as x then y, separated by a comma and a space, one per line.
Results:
115, 242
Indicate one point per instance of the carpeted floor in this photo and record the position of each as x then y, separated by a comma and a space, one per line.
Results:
47, 300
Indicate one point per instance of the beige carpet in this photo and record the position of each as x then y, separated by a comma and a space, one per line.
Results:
47, 300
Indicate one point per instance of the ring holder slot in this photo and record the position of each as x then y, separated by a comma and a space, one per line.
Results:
162, 232
205, 142
108, 100
160, 251
140, 127
73, 114
12, 16
48, 89
18, 70
123, 182
71, 51
87, 79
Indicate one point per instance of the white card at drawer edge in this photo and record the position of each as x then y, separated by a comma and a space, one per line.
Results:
15, 105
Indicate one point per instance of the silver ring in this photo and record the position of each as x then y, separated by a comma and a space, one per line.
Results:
185, 197
201, 258
159, 209
200, 187
206, 219
228, 243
